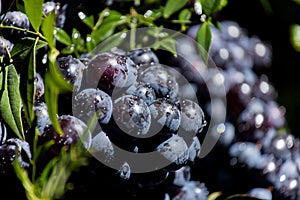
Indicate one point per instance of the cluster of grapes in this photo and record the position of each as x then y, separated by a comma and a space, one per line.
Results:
140, 109
260, 152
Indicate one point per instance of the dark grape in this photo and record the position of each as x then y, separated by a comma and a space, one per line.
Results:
91, 100
107, 71
132, 115
17, 19
73, 129
143, 56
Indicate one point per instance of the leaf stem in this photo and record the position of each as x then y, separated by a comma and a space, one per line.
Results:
38, 34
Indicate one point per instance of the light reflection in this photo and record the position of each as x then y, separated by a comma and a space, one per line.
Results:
260, 49
264, 87
233, 31
221, 128
245, 88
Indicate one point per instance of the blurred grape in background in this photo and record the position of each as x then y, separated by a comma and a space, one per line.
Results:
275, 21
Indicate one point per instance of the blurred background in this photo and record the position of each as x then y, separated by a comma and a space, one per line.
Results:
275, 21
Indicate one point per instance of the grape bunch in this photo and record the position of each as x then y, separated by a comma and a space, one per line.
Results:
254, 136
139, 109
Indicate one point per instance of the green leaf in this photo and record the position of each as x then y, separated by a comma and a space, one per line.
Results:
214, 195
34, 11
67, 50
51, 99
241, 197
169, 44
89, 21
62, 36
27, 84
56, 76
23, 176
114, 16
173, 6
212, 6
295, 36
77, 40
185, 14
54, 85
10, 100
23, 47
109, 43
48, 29
90, 43
204, 39
103, 32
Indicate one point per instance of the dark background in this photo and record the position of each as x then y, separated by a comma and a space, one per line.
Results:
273, 27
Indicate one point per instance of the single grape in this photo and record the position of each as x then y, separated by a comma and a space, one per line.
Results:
132, 115
14, 149
192, 117
164, 114
72, 70
73, 132
17, 19
143, 90
101, 147
42, 116
143, 56
91, 100
5, 45
161, 79
260, 193
175, 150
108, 71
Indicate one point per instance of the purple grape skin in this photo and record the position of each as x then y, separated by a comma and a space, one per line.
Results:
102, 148
175, 150
14, 149
143, 90
41, 113
72, 70
17, 19
73, 129
108, 71
91, 100
164, 114
132, 115
143, 56
161, 80
5, 44
39, 84
192, 116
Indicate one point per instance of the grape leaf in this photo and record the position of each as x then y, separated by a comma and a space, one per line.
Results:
212, 6
54, 85
34, 11
173, 6
169, 44
23, 53
10, 100
48, 29
51, 99
214, 195
27, 85
23, 47
62, 36
185, 14
204, 39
